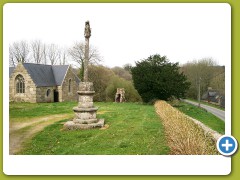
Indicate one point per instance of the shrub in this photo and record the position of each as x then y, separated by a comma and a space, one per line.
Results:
106, 82
131, 95
183, 135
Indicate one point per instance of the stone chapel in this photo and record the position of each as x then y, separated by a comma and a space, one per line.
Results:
30, 82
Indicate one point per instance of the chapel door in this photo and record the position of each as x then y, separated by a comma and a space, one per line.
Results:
56, 96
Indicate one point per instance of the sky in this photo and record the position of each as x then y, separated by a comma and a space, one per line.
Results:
126, 33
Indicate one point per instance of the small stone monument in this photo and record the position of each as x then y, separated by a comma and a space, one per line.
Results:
85, 112
120, 95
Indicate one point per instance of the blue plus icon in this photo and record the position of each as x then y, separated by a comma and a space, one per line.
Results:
227, 145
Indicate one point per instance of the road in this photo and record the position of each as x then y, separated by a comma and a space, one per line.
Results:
217, 112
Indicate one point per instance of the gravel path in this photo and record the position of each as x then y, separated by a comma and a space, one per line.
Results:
22, 131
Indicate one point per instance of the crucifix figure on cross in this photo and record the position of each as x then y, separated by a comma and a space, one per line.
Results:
87, 34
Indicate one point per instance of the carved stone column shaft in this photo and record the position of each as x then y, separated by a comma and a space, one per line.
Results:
85, 77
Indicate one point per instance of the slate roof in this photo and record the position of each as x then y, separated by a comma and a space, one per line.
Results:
46, 75
59, 72
213, 93
42, 75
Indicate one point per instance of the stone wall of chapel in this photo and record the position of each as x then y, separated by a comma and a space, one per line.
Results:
59, 89
42, 95
30, 88
66, 95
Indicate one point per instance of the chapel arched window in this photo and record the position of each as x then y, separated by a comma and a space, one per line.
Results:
20, 84
70, 85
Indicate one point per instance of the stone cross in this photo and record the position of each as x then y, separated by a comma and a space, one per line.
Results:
85, 112
87, 34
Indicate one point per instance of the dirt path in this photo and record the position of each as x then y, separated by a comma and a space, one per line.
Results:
21, 131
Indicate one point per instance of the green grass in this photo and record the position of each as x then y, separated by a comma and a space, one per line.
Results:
133, 129
203, 116
29, 110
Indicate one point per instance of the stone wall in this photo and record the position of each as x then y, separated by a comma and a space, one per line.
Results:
64, 90
59, 90
42, 95
30, 88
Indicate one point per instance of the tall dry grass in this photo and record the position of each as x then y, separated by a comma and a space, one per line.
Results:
184, 137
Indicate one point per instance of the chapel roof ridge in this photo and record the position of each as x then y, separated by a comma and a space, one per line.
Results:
45, 64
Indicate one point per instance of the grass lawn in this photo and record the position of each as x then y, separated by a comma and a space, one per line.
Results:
202, 115
133, 129
22, 111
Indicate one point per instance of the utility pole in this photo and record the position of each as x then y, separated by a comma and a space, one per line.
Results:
199, 92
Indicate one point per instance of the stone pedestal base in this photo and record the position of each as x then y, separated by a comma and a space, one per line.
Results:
71, 125
85, 112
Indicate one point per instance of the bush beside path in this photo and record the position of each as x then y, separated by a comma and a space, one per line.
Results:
184, 137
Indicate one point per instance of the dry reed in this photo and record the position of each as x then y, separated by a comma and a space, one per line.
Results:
184, 137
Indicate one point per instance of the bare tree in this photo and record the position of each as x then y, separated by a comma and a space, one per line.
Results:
121, 72
37, 49
63, 57
77, 52
53, 54
127, 67
12, 61
19, 51
45, 53
200, 73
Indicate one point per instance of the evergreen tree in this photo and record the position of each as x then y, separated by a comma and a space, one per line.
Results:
157, 78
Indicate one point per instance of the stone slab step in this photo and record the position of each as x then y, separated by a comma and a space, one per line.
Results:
78, 109
85, 121
70, 125
86, 92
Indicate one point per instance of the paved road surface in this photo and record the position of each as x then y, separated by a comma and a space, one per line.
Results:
217, 112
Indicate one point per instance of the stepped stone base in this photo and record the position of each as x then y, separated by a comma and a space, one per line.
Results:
70, 125
85, 121
85, 112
